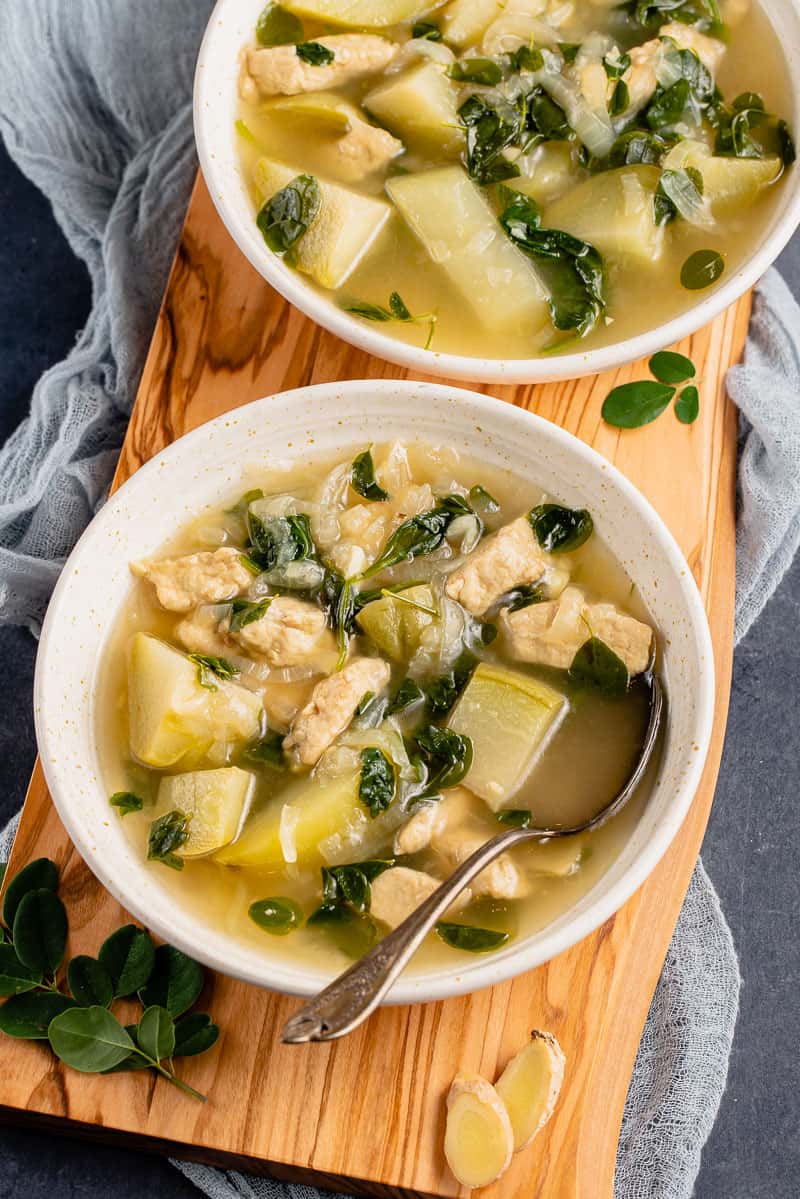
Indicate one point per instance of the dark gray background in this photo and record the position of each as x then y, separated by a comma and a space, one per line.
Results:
751, 849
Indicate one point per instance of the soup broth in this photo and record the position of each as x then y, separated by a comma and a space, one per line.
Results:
516, 177
388, 661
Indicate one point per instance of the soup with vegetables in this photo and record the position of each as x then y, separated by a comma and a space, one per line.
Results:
508, 177
329, 694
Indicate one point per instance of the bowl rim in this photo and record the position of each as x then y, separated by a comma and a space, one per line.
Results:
276, 974
319, 308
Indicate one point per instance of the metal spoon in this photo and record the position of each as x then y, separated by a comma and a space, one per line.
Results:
355, 994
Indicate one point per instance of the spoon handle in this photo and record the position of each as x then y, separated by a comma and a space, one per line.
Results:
348, 1000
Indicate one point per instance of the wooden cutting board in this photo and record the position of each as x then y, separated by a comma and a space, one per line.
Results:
366, 1114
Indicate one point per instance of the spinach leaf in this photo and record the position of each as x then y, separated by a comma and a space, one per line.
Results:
482, 499
560, 530
89, 981
687, 405
470, 938
29, 1016
734, 126
89, 1039
315, 54
40, 931
596, 665
277, 915
167, 834
15, 976
572, 270
268, 751
377, 784
209, 668
175, 983
515, 817
407, 695
245, 612
155, 1033
669, 367
419, 535
341, 607
447, 757
476, 70
546, 120
442, 692
701, 269
126, 801
521, 597
679, 192
129, 957
194, 1034
286, 216
632, 405
38, 874
489, 130
426, 30
362, 478
277, 27
277, 541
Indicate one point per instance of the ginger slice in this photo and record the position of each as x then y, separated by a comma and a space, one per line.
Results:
530, 1084
479, 1139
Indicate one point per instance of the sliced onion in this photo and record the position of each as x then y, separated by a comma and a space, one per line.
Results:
515, 29
331, 499
466, 531
296, 576
693, 208
286, 832
592, 127
421, 47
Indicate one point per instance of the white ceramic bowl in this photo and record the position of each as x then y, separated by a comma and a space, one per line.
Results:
203, 469
215, 110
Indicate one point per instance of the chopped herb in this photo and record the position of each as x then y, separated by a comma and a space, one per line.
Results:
669, 105
516, 817
126, 801
419, 535
636, 147
476, 70
687, 405
596, 665
407, 695
167, 834
469, 938
447, 757
482, 499
268, 751
245, 612
362, 478
377, 785
277, 27
669, 367
397, 310
426, 30
632, 405
560, 530
315, 54
209, 668
276, 915
701, 269
489, 130
286, 216
347, 888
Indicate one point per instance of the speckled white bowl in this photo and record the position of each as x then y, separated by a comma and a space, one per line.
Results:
215, 110
204, 469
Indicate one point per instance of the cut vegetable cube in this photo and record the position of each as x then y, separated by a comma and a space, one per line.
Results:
341, 234
371, 13
395, 625
530, 1084
613, 211
728, 183
478, 1139
554, 171
420, 106
214, 799
507, 716
464, 22
170, 714
462, 236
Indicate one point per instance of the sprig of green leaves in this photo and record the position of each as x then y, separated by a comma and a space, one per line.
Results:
82, 1030
632, 405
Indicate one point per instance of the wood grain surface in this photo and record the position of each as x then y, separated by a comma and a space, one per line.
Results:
366, 1114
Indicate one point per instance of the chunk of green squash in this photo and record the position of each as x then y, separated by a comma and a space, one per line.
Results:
395, 625
464, 22
373, 14
507, 715
613, 211
420, 106
342, 232
454, 222
171, 715
728, 183
215, 801
554, 171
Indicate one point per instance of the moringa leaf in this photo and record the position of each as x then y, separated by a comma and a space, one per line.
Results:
442, 692
687, 405
28, 1016
210, 667
90, 981
38, 874
447, 757
194, 1034
632, 405
129, 957
407, 695
127, 802
268, 751
315, 54
286, 216
669, 105
527, 58
277, 915
669, 367
482, 499
620, 99
175, 982
476, 70
167, 834
596, 665
469, 938
40, 931
419, 535
427, 30
15, 976
377, 783
278, 541
701, 269
155, 1033
89, 1039
515, 817
277, 27
245, 612
560, 530
362, 477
